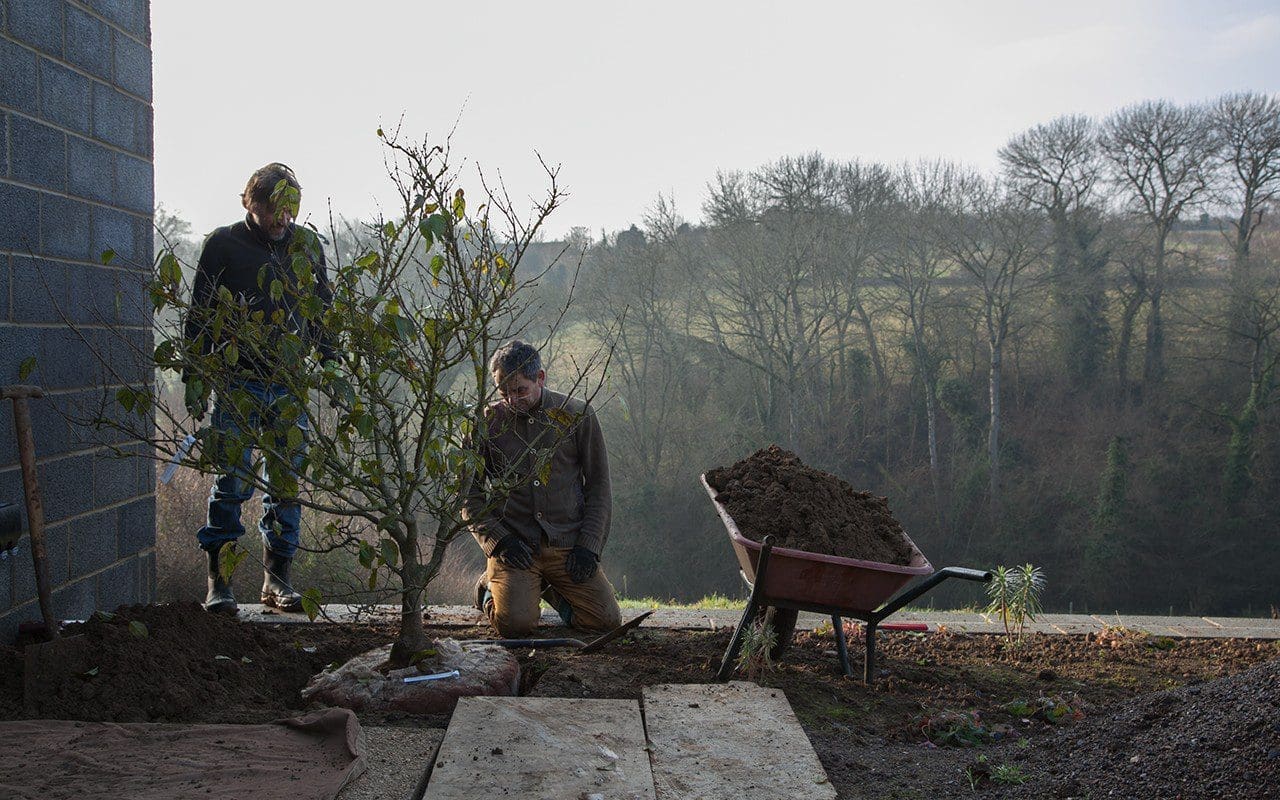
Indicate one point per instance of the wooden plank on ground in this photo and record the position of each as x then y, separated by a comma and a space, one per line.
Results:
734, 741
556, 748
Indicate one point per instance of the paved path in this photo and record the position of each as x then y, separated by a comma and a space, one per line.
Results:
966, 622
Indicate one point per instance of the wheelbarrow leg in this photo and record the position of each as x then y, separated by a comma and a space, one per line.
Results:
869, 665
842, 647
748, 614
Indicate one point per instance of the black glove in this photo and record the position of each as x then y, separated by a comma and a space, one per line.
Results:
581, 564
514, 552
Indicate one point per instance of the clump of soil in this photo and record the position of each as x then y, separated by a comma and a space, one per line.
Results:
773, 493
177, 663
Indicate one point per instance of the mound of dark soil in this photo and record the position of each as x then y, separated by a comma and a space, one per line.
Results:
773, 493
178, 663
1211, 740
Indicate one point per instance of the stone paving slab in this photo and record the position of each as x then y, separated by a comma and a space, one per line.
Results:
396, 758
543, 748
734, 741
956, 621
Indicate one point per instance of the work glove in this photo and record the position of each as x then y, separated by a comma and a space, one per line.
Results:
513, 551
581, 564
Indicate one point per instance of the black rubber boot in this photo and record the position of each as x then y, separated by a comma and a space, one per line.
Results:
558, 604
219, 600
276, 591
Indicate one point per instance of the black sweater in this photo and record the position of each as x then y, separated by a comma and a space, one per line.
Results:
233, 256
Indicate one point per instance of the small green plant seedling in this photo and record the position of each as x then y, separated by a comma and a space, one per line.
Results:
758, 641
1014, 595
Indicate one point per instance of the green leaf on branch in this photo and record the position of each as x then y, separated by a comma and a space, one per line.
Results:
158, 296
311, 602
459, 205
373, 579
229, 558
170, 269
364, 425
231, 354
108, 256
437, 224
437, 264
294, 438
277, 290
404, 328
367, 554
25, 369
368, 260
390, 552
125, 397
138, 629
163, 354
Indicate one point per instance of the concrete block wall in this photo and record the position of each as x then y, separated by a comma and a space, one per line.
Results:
75, 181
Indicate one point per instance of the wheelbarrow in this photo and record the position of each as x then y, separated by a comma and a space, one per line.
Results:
791, 581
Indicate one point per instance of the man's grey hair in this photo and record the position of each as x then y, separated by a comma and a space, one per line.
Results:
516, 356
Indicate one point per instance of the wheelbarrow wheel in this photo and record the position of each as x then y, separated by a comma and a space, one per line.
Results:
783, 622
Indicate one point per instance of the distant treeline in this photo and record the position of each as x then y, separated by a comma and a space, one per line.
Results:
1070, 363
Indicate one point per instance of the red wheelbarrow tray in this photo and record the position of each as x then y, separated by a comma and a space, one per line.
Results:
811, 579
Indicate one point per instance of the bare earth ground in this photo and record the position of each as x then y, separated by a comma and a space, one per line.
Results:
1139, 716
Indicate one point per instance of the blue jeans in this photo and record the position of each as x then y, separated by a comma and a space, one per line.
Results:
281, 515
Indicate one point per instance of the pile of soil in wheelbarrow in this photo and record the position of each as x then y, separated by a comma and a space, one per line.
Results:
177, 663
773, 493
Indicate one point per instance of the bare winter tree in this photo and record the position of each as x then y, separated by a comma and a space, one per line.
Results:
762, 304
912, 266
1160, 155
999, 242
1057, 168
1247, 127
639, 298
866, 196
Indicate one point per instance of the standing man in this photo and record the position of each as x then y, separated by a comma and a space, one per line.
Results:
541, 507
267, 267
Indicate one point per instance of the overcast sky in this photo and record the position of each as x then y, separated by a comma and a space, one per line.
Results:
637, 99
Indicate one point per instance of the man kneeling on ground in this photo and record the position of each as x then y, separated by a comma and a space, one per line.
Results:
541, 507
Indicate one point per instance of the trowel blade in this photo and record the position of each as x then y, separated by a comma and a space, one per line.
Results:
596, 644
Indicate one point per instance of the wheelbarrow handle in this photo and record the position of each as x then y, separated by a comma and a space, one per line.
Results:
964, 573
915, 590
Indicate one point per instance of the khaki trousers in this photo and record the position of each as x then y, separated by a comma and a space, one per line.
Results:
516, 593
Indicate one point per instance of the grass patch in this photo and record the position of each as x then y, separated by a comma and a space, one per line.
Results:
709, 602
